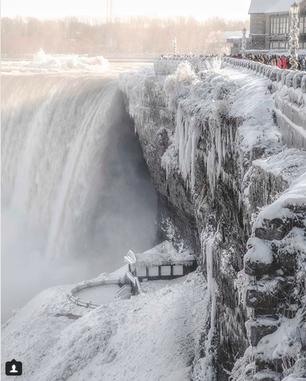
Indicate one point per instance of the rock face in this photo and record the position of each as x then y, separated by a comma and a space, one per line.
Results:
215, 157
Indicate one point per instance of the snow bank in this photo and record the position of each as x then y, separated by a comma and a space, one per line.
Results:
289, 164
163, 253
124, 340
260, 251
282, 345
284, 206
254, 104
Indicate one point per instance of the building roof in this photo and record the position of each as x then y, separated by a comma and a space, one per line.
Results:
271, 6
164, 253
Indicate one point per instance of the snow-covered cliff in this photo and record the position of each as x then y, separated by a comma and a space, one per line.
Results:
236, 194
231, 193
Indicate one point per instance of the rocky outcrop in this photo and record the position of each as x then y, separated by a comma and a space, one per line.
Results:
274, 287
215, 157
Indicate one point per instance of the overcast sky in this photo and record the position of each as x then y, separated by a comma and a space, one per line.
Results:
200, 9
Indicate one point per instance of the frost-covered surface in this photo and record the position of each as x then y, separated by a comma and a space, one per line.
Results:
165, 252
289, 93
273, 6
225, 93
279, 347
289, 163
284, 206
254, 103
290, 111
149, 337
43, 62
216, 155
259, 252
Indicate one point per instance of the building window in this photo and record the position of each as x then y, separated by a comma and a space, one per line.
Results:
303, 24
165, 270
178, 270
274, 45
141, 271
279, 25
282, 28
272, 25
153, 271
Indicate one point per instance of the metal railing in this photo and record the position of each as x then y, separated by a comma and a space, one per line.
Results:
89, 284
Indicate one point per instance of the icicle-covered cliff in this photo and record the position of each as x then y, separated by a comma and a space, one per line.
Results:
236, 194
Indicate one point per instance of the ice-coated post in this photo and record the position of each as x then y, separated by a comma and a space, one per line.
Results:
243, 42
174, 45
294, 31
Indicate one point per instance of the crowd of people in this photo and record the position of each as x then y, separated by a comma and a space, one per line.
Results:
280, 61
187, 57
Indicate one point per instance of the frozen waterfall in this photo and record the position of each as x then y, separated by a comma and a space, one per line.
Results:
76, 194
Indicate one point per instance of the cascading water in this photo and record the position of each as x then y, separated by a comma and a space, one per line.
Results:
76, 194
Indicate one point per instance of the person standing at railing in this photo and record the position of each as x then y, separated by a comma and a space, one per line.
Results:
285, 63
303, 63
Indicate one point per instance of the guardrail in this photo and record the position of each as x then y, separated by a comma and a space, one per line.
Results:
289, 78
134, 282
88, 284
124, 292
289, 88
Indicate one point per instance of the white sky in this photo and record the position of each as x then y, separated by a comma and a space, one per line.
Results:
200, 9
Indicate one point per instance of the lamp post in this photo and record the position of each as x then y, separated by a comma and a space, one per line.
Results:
243, 42
174, 45
294, 31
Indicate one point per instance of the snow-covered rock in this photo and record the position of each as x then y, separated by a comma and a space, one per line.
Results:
152, 336
217, 159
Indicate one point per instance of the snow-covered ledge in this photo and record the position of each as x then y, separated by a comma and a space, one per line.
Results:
290, 78
289, 88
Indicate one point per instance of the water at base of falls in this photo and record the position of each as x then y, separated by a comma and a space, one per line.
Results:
76, 194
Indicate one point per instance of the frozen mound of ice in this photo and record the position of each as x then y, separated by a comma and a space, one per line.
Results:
42, 62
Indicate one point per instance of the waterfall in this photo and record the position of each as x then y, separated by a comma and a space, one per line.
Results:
75, 188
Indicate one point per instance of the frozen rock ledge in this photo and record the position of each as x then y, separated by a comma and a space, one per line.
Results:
231, 176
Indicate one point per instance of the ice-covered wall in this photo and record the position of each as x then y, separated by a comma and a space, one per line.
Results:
216, 158
289, 88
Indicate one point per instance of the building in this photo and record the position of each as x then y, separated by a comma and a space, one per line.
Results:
234, 41
161, 262
270, 24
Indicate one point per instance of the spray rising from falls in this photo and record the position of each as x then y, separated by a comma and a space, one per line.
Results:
76, 194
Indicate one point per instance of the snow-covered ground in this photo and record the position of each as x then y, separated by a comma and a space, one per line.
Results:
150, 337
